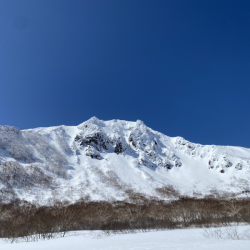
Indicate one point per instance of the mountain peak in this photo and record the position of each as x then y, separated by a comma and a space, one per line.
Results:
112, 156
139, 122
90, 122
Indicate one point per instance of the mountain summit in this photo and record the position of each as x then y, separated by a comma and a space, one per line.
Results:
105, 159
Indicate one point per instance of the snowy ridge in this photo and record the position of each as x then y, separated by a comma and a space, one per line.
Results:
105, 159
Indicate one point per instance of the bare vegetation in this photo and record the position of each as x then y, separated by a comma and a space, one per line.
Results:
29, 221
16, 176
229, 233
12, 140
167, 191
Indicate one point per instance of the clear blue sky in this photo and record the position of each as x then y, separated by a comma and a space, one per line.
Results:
181, 66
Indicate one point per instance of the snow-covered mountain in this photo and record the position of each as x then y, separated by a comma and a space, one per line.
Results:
108, 159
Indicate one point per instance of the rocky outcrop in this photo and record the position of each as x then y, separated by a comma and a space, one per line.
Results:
120, 146
92, 152
98, 140
239, 166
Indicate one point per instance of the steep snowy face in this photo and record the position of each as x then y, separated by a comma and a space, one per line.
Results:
107, 158
121, 137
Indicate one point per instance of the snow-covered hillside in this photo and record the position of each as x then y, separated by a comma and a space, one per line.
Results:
107, 159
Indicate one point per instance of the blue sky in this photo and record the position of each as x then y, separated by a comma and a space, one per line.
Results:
183, 67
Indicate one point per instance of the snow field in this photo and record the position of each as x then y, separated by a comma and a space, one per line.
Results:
182, 239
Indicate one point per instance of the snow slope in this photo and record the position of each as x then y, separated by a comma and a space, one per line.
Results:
105, 159
183, 239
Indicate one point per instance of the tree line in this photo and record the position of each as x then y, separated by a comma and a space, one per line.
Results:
30, 221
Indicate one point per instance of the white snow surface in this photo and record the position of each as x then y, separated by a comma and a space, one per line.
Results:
106, 158
182, 239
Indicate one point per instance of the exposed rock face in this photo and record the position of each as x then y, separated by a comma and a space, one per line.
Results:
92, 152
226, 163
120, 146
97, 140
239, 166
